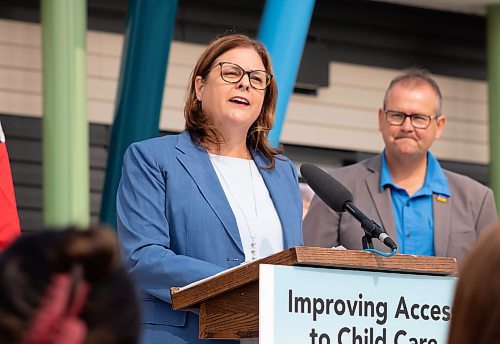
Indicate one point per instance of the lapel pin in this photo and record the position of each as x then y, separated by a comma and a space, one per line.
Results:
441, 198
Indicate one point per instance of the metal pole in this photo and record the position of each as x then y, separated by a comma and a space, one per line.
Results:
149, 32
283, 30
65, 124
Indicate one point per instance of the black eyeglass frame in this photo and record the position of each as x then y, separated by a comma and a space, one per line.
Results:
269, 77
411, 117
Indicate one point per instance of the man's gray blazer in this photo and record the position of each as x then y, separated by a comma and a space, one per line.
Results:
457, 222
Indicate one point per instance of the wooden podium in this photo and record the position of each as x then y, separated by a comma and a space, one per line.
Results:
228, 303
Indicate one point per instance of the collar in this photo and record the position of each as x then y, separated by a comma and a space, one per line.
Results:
435, 179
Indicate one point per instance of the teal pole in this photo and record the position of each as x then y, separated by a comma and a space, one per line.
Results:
283, 30
65, 144
149, 32
493, 62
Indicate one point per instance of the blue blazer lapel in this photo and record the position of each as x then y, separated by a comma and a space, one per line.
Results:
276, 186
197, 164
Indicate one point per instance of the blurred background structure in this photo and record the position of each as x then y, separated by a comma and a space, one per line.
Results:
352, 50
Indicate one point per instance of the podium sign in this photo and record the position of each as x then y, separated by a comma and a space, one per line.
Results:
228, 303
326, 306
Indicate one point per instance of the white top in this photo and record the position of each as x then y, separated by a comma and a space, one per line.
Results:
251, 204
2, 136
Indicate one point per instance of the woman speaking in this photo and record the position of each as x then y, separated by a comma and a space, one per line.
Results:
194, 204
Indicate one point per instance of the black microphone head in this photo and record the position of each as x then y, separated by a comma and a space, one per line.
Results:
334, 194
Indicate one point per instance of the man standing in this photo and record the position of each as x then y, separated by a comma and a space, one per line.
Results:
9, 220
426, 209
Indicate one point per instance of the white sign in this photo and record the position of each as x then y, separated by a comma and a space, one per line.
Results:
325, 306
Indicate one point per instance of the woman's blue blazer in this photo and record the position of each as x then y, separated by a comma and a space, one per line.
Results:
176, 225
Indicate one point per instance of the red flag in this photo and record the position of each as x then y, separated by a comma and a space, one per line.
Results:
9, 219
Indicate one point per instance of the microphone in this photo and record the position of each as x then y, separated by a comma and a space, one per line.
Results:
339, 198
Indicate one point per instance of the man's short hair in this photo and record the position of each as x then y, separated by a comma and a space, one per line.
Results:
415, 76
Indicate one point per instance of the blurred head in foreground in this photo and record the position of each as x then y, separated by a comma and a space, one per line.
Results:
66, 287
476, 308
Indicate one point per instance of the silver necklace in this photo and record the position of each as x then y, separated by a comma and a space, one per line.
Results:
253, 236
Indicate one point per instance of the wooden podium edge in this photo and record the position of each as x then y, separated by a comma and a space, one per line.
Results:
191, 297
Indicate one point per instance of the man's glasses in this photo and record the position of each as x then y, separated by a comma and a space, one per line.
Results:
232, 73
417, 120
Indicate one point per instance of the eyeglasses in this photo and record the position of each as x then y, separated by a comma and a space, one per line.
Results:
417, 120
232, 73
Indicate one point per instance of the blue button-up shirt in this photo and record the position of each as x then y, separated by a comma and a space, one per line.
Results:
413, 215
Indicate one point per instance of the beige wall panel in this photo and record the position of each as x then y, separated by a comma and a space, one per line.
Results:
303, 134
101, 66
461, 151
100, 111
331, 116
27, 34
21, 57
358, 75
476, 112
23, 104
172, 119
185, 53
174, 97
178, 75
470, 90
102, 43
350, 96
465, 132
20, 80
101, 89
379, 78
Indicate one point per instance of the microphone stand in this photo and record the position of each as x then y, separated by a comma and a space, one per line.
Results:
367, 242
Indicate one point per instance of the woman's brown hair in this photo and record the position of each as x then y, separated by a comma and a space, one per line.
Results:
201, 128
476, 308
